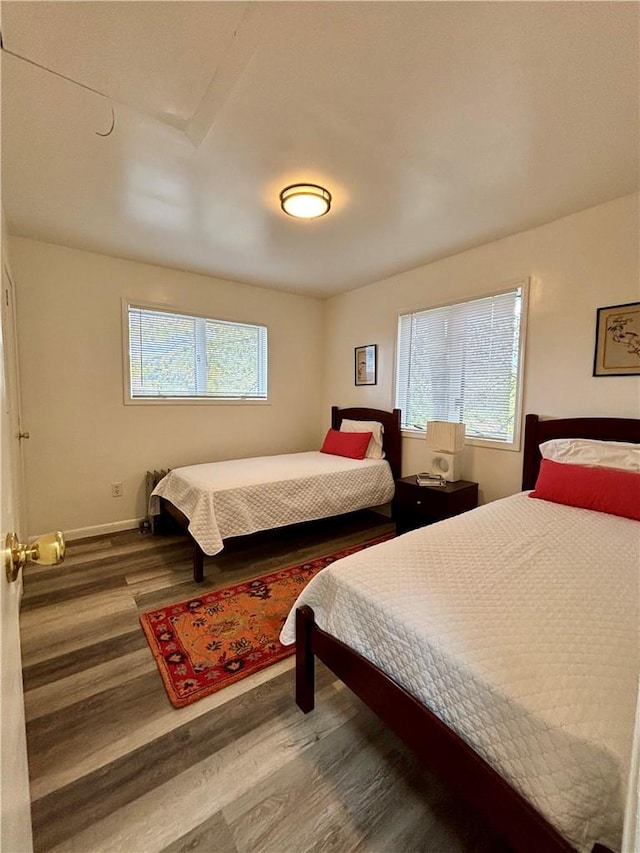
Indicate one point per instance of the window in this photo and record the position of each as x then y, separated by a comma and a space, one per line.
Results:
463, 363
179, 356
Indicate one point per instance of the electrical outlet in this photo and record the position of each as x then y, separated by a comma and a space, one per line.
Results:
116, 490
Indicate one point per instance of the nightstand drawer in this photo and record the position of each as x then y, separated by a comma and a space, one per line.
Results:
419, 499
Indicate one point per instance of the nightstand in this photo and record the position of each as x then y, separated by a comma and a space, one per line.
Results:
414, 505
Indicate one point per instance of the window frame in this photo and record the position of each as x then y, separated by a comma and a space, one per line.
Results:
180, 401
516, 444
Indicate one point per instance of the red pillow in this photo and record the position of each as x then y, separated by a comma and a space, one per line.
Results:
589, 487
351, 444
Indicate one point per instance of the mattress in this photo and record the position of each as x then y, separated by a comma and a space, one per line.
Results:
241, 496
517, 625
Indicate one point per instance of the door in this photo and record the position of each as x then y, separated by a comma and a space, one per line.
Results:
15, 810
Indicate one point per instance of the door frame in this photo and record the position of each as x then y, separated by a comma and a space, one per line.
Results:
15, 801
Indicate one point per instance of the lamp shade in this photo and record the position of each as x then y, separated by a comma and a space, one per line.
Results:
445, 436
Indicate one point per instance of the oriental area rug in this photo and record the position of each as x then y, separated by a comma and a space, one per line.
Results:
204, 644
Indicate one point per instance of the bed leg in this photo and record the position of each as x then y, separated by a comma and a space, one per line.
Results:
198, 563
305, 660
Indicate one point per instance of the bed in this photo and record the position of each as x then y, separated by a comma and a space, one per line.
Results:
219, 500
523, 703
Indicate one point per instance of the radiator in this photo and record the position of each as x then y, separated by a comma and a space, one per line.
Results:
153, 478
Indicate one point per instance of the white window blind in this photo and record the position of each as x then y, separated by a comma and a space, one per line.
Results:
181, 356
461, 363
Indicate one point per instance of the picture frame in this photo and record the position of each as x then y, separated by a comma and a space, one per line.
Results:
617, 351
366, 365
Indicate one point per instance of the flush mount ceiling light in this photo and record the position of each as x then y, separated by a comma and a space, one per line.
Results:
305, 201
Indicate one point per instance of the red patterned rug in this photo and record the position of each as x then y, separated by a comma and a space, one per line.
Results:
204, 644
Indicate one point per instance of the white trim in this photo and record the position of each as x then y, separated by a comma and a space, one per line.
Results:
522, 365
193, 401
99, 529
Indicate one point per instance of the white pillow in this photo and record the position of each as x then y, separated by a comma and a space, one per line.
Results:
374, 450
585, 451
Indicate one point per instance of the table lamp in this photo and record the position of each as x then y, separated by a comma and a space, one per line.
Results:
445, 442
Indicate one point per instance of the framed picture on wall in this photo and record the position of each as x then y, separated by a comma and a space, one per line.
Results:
366, 364
618, 341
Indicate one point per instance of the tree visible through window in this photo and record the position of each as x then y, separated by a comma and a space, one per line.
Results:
461, 363
181, 356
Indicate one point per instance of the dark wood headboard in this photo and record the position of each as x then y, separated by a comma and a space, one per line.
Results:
391, 437
602, 429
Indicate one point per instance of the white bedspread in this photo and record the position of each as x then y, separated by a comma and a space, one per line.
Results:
517, 624
241, 496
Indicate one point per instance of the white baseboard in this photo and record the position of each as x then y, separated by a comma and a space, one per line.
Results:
100, 529
134, 524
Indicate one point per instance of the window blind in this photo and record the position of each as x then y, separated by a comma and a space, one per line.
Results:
461, 363
181, 356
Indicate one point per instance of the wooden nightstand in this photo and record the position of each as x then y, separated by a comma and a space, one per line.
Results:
414, 505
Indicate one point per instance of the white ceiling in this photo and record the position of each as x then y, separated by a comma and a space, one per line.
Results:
437, 126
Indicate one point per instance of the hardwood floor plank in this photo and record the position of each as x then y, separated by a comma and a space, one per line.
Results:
212, 834
79, 686
322, 822
91, 586
107, 564
60, 628
88, 545
115, 767
81, 739
174, 809
302, 793
58, 740
159, 577
357, 789
115, 546
149, 727
223, 743
85, 657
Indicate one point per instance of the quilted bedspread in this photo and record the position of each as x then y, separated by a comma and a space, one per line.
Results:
517, 625
241, 496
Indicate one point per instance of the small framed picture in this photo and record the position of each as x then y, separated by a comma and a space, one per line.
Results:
366, 364
618, 341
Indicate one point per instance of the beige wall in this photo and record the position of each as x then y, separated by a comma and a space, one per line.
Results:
83, 438
576, 265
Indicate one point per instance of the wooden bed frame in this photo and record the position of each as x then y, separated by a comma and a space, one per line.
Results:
436, 745
391, 443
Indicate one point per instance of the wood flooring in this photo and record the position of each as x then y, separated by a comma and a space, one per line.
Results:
114, 767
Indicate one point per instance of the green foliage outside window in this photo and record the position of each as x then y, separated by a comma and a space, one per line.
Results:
178, 356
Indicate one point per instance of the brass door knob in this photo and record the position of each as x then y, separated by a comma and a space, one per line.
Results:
48, 550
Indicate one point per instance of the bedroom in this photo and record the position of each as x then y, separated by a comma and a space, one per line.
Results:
553, 180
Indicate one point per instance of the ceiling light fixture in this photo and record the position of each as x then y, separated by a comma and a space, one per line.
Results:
305, 201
